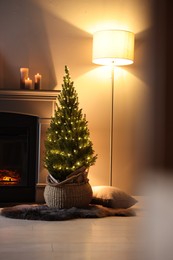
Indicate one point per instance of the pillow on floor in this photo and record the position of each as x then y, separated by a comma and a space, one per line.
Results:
112, 197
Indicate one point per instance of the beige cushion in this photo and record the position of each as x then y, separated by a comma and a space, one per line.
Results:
112, 197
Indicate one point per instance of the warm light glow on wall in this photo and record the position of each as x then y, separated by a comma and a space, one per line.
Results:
113, 46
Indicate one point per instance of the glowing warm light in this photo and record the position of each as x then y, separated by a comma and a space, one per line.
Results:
9, 177
113, 47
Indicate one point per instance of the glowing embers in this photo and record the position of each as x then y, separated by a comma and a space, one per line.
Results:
9, 177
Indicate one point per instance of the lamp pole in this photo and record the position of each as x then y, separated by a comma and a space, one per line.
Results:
111, 126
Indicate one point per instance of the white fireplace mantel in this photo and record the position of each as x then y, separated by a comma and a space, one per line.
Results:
34, 102
25, 94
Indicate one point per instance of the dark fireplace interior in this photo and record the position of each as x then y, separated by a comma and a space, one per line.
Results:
18, 157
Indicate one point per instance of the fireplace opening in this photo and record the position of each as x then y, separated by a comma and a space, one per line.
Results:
18, 157
13, 155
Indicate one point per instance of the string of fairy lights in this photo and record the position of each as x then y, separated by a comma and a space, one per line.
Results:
68, 145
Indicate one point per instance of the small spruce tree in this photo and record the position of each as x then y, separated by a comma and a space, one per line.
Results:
68, 145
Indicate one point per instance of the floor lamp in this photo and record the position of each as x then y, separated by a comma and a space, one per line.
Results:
113, 48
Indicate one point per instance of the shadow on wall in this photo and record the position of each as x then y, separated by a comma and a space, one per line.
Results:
23, 43
144, 44
150, 68
31, 37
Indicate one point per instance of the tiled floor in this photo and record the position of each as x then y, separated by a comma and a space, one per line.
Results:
83, 239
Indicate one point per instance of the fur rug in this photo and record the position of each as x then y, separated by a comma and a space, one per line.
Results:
43, 212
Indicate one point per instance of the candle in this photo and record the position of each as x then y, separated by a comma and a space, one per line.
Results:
23, 76
28, 83
38, 81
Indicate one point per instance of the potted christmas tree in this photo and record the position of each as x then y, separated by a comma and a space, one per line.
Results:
68, 152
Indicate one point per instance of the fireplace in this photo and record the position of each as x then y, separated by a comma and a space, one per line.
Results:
25, 116
18, 157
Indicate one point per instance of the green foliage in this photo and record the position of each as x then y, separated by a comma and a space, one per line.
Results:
68, 145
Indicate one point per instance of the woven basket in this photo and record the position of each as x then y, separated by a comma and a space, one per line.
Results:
75, 191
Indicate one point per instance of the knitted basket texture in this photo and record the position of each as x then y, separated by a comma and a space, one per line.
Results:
75, 191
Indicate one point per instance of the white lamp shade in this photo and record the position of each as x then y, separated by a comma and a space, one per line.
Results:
113, 47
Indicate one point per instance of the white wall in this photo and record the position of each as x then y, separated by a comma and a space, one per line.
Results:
47, 35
